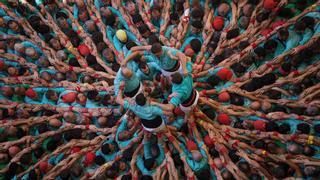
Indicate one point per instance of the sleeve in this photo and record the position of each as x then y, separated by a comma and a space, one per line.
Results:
292, 42
121, 19
157, 110
97, 4
131, 36
147, 149
121, 128
39, 2
141, 167
110, 32
168, 31
75, 11
176, 100
154, 66
306, 36
116, 83
126, 105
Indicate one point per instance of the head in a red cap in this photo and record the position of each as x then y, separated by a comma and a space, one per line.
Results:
69, 97
224, 119
225, 74
218, 23
89, 158
177, 111
2, 65
208, 141
83, 50
43, 166
269, 4
30, 93
259, 125
224, 96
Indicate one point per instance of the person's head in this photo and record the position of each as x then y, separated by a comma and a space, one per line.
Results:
294, 149
244, 167
214, 80
149, 164
176, 78
13, 25
271, 126
284, 128
7, 91
126, 72
144, 67
174, 18
279, 171
197, 14
247, 10
196, 27
83, 16
309, 151
262, 16
108, 54
223, 9
141, 99
108, 100
55, 44
244, 22
308, 21
71, 76
270, 45
233, 33
260, 144
227, 175
52, 95
155, 12
90, 25
283, 34
156, 49
299, 27
144, 30
131, 7
93, 95
137, 19
81, 99
69, 116
311, 171
303, 128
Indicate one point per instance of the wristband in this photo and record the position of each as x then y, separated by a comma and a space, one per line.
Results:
226, 137
293, 137
242, 53
276, 134
87, 126
78, 88
193, 124
213, 165
296, 72
223, 150
4, 121
70, 108
97, 21
254, 45
235, 144
70, 68
300, 118
202, 63
204, 92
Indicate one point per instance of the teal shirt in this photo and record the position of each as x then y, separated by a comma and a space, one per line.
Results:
147, 112
147, 152
153, 70
165, 62
183, 90
292, 41
123, 127
130, 83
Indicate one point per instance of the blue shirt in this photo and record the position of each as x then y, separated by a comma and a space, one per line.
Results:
147, 112
130, 83
153, 70
183, 90
165, 62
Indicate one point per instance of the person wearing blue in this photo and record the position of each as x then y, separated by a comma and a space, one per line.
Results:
126, 131
148, 71
287, 39
150, 115
131, 81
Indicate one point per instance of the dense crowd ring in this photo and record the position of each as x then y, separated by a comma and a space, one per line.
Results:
159, 89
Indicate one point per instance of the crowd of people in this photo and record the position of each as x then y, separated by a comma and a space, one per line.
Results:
159, 89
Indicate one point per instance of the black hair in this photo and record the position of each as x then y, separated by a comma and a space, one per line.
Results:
111, 121
143, 29
105, 149
140, 99
255, 176
130, 44
232, 33
218, 59
300, 26
146, 177
115, 67
244, 167
155, 48
177, 78
195, 45
92, 135
270, 44
233, 156
253, 2
38, 152
174, 16
285, 12
260, 144
98, 67
213, 152
32, 175
236, 100
197, 24
259, 51
73, 62
127, 154
42, 128
149, 163
210, 113
97, 37
34, 21
204, 174
262, 16
286, 66
184, 128
176, 160
271, 126
25, 158
61, 14
283, 32
91, 60
273, 94
44, 29
75, 41
243, 45
99, 160
309, 21
51, 145
269, 78
309, 151
304, 128
126, 177
279, 172
153, 39
238, 68
20, 132
110, 20
214, 80
306, 54
136, 18
197, 13
105, 99
92, 94
284, 128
